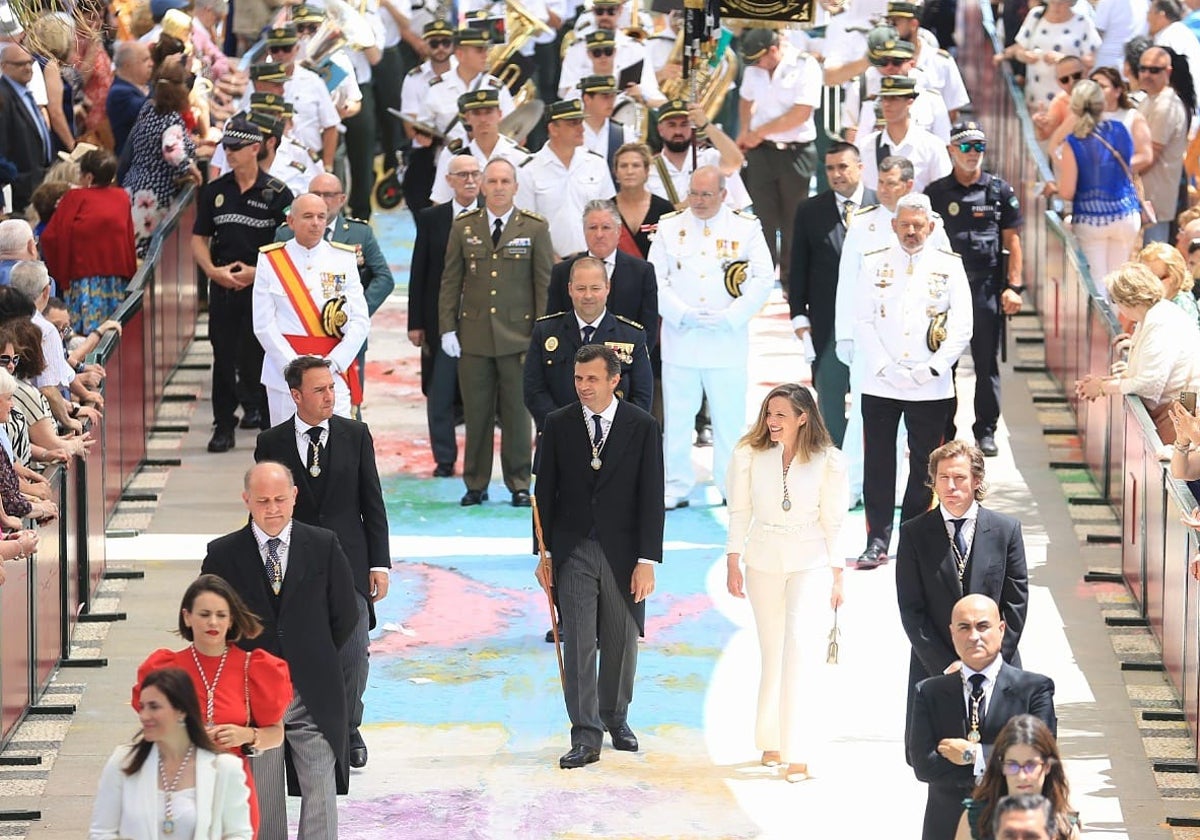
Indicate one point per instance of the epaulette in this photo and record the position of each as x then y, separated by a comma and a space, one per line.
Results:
945, 54
415, 71
344, 246
527, 160
628, 321
455, 146
951, 253
522, 150
533, 215
867, 209
876, 251
669, 215
744, 214
436, 80
550, 315
275, 184
467, 212
597, 154
272, 247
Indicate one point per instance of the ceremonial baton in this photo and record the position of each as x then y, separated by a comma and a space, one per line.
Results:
548, 568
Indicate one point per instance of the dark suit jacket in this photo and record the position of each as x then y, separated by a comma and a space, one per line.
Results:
816, 250
622, 501
122, 107
633, 292
316, 615
927, 583
425, 281
352, 502
939, 711
21, 143
550, 362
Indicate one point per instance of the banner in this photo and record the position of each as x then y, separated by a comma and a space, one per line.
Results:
781, 11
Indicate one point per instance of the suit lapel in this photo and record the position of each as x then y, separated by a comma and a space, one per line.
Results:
1001, 698
979, 549
297, 567
947, 569
206, 783
147, 793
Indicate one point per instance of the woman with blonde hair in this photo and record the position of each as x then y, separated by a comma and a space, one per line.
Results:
1162, 360
640, 209
1092, 170
1171, 268
52, 39
788, 493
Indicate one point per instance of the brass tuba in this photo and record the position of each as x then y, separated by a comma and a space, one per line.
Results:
505, 61
712, 80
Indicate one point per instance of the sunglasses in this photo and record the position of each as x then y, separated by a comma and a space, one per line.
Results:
892, 62
601, 51
279, 48
1069, 78
10, 360
1012, 768
1154, 71
606, 10
307, 28
977, 146
439, 43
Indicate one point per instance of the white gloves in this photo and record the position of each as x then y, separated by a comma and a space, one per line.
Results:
450, 345
898, 376
921, 375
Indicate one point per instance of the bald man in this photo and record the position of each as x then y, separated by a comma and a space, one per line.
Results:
956, 716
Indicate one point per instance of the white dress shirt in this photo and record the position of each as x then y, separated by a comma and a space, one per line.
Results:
285, 540
989, 682
304, 442
968, 526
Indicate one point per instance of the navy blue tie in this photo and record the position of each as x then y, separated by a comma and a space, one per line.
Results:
598, 435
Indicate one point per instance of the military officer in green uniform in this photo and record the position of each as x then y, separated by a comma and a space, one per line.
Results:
494, 287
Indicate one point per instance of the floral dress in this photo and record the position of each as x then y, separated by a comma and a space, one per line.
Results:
1077, 36
161, 152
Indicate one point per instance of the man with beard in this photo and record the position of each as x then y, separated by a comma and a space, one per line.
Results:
679, 125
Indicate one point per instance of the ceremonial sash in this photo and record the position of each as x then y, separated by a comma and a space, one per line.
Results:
316, 341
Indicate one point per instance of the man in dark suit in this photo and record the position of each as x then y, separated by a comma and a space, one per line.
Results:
550, 362
820, 229
338, 489
956, 716
958, 548
498, 261
439, 372
130, 89
296, 579
598, 492
24, 134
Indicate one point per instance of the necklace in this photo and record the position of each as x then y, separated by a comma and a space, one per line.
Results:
209, 688
168, 825
596, 463
786, 504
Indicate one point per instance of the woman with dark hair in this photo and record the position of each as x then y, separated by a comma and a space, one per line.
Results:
92, 279
162, 154
1181, 80
242, 695
1024, 760
788, 494
640, 209
1119, 107
21, 342
173, 779
15, 505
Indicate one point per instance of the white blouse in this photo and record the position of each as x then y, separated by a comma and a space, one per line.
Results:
1163, 356
771, 539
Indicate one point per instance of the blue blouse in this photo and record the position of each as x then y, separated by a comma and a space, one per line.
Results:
1103, 192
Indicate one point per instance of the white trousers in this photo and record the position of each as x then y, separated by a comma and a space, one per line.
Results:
1107, 246
683, 391
793, 618
282, 407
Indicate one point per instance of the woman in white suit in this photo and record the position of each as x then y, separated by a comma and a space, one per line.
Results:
173, 782
788, 492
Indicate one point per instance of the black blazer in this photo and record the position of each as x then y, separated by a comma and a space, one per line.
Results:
549, 374
940, 711
428, 260
622, 501
633, 292
316, 615
816, 250
21, 143
352, 502
927, 583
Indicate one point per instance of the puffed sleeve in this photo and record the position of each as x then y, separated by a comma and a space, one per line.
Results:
835, 499
738, 497
270, 688
161, 658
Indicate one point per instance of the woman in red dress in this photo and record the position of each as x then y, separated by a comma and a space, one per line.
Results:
242, 694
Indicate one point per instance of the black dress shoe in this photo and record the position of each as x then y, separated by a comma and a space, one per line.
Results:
221, 440
473, 497
251, 420
874, 557
443, 471
550, 635
520, 498
704, 436
579, 756
987, 445
358, 756
623, 738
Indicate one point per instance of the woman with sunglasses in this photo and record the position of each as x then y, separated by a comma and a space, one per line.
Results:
1048, 120
1024, 760
1093, 169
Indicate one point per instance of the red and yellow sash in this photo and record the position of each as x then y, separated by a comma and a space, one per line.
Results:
316, 341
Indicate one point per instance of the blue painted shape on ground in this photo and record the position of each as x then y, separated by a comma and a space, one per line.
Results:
395, 231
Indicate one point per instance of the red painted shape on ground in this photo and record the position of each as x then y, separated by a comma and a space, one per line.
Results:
675, 612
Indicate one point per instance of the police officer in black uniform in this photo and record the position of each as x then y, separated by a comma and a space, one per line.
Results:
549, 375
982, 215
236, 214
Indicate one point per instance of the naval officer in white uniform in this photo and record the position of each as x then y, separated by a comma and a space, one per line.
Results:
714, 274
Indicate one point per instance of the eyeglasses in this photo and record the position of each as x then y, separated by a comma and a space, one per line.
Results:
978, 146
10, 361
279, 48
1154, 71
1070, 77
440, 43
471, 175
601, 51
1029, 768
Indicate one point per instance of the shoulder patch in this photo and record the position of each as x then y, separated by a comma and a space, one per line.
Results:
550, 315
533, 215
342, 246
275, 184
416, 71
272, 247
949, 253
870, 208
455, 146
628, 321
745, 214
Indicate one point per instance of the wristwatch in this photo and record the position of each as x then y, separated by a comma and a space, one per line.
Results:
1014, 288
969, 755
250, 749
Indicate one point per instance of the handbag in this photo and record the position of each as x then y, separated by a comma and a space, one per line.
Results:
1149, 217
